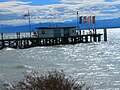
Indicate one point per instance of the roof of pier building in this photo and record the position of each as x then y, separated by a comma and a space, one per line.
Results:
57, 27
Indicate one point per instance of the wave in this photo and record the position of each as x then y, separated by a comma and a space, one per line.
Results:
8, 49
23, 66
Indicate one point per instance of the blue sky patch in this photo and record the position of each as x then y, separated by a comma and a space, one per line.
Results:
42, 2
110, 0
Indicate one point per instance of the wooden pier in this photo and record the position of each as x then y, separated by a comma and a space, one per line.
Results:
28, 42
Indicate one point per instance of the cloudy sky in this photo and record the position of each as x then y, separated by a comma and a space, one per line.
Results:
12, 11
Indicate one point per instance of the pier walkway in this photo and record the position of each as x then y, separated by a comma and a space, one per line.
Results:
27, 42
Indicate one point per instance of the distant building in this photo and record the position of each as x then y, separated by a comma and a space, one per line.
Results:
56, 31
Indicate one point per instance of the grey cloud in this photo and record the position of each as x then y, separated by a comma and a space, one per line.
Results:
59, 11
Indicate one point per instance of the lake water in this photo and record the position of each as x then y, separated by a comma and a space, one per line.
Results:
98, 63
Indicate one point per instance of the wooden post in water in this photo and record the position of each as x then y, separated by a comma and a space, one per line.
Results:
17, 39
91, 38
2, 36
99, 38
95, 35
2, 40
86, 38
81, 38
105, 34
80, 32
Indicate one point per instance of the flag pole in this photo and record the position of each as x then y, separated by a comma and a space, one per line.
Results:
77, 19
29, 22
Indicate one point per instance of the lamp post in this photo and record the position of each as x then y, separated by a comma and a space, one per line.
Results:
29, 22
77, 19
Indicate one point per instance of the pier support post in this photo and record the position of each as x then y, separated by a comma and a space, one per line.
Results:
80, 32
3, 45
95, 35
17, 41
2, 36
86, 39
105, 34
81, 38
90, 38
99, 38
95, 31
39, 42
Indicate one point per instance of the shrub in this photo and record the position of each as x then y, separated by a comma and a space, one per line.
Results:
53, 80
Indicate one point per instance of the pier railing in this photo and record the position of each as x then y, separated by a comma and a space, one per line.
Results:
13, 36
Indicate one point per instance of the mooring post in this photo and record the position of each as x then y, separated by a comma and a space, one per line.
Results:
105, 34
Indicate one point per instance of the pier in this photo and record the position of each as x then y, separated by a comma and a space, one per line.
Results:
84, 32
28, 42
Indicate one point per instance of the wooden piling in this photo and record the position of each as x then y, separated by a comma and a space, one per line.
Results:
86, 39
99, 38
80, 32
3, 44
90, 38
105, 34
2, 36
95, 35
81, 38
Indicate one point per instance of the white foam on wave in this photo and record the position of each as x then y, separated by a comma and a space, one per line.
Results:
1, 74
24, 66
9, 49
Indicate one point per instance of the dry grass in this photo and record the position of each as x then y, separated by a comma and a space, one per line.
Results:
53, 80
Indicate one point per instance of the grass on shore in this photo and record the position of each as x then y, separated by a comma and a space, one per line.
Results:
53, 80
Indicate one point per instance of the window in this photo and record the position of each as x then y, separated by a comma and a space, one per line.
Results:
73, 30
43, 32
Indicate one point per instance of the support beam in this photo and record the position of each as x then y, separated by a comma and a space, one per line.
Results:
105, 34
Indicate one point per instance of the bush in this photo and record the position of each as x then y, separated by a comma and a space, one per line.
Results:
53, 80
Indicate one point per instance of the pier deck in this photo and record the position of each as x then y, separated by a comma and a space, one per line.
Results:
28, 42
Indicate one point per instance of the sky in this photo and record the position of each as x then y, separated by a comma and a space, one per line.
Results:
12, 11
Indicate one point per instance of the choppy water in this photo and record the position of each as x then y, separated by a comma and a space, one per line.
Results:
99, 63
